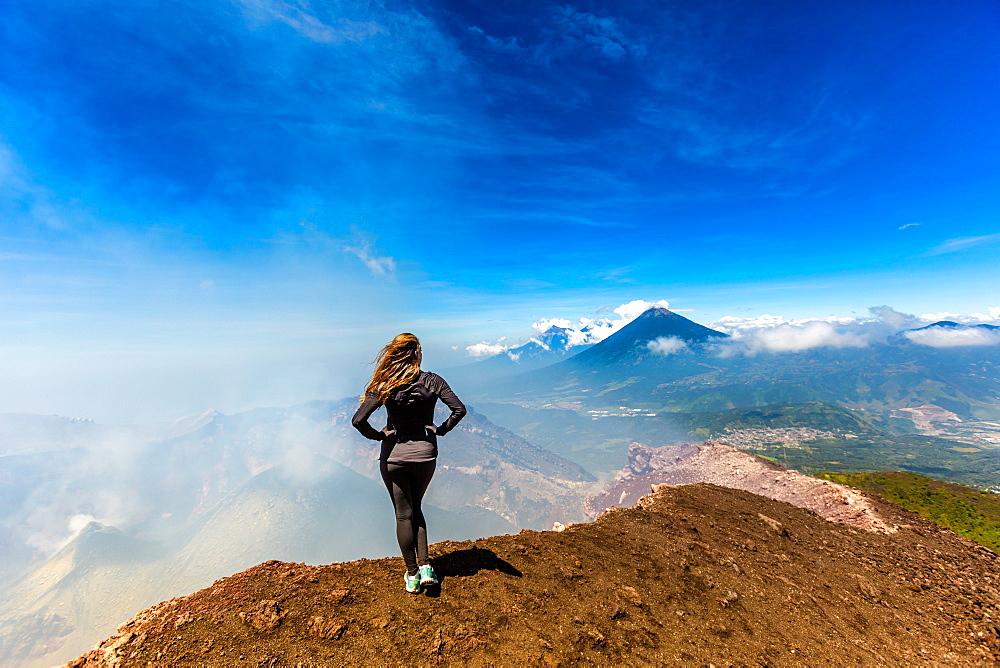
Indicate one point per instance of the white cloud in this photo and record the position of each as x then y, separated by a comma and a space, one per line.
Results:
540, 343
309, 25
890, 318
585, 331
666, 345
961, 243
777, 334
379, 265
588, 331
731, 324
483, 350
637, 307
734, 325
545, 324
771, 333
796, 337
948, 337
992, 316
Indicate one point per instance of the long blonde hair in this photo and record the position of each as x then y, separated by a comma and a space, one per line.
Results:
396, 364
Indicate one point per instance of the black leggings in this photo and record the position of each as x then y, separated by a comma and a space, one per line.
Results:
407, 483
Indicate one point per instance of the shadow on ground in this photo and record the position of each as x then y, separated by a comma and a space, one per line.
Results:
464, 563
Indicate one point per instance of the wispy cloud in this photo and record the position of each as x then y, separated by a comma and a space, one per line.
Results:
362, 246
358, 243
616, 275
962, 243
604, 34
903, 227
309, 25
567, 33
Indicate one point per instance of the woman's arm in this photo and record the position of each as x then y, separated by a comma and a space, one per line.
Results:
450, 400
360, 420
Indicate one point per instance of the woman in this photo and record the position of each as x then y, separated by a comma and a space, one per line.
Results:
409, 443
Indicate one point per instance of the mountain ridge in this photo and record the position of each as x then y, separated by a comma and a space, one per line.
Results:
693, 574
878, 376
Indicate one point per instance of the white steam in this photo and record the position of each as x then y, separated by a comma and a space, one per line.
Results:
102, 484
75, 524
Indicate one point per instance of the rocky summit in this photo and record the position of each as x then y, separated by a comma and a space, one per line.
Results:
691, 575
721, 464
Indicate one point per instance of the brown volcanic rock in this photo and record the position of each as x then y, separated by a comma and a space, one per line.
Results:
722, 464
692, 575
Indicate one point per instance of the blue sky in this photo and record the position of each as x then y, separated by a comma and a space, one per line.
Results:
227, 203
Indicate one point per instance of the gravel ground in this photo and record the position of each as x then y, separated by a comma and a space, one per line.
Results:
693, 575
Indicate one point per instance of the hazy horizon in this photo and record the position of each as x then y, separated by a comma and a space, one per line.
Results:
239, 383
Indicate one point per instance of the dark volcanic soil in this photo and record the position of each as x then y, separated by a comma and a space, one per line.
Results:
693, 575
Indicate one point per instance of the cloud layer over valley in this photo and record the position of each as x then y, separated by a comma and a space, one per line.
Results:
776, 334
769, 333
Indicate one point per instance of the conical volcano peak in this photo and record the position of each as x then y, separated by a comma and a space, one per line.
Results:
633, 341
659, 322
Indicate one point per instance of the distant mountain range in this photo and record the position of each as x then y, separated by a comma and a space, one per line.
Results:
664, 362
627, 345
551, 346
950, 324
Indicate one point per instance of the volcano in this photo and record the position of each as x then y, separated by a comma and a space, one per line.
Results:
632, 342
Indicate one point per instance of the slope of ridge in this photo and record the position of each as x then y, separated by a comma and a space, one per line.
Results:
692, 574
722, 464
973, 513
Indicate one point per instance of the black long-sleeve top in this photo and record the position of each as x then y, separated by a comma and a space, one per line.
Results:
410, 434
